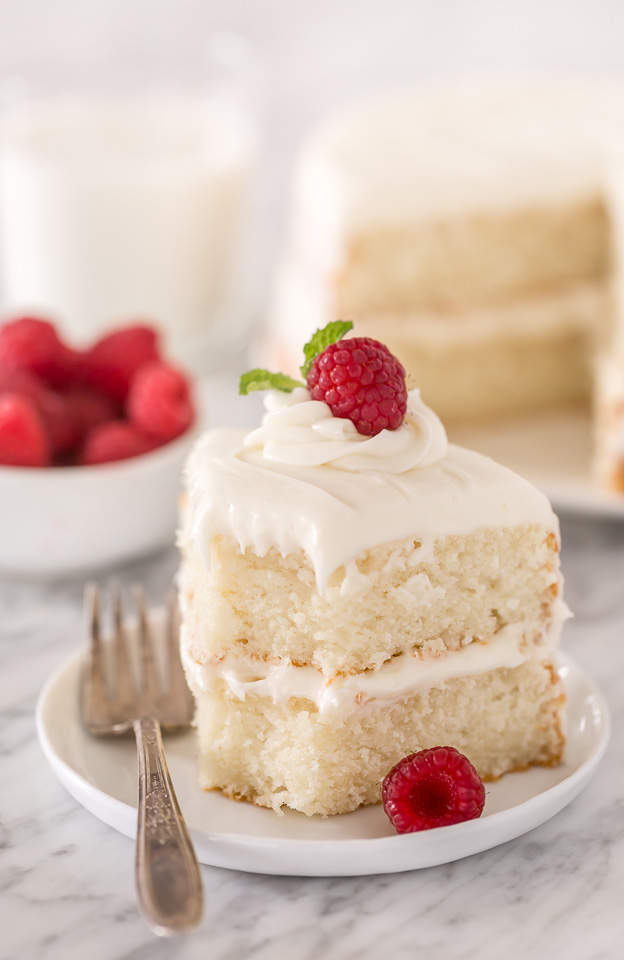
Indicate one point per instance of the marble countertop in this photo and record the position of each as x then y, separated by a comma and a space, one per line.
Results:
66, 879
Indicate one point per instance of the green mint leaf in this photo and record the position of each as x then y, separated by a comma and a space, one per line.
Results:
265, 380
333, 332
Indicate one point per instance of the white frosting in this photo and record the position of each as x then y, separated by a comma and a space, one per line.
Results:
333, 515
404, 676
436, 150
300, 431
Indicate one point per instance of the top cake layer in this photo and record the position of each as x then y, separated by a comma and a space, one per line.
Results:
308, 482
308, 544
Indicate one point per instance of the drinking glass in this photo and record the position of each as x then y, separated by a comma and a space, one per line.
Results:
127, 200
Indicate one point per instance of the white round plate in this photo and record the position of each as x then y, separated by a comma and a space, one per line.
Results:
553, 451
102, 776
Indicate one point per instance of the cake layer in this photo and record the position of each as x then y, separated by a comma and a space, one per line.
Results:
395, 598
283, 754
481, 260
526, 356
521, 355
334, 512
308, 542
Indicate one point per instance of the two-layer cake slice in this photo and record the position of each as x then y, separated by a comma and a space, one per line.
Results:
349, 600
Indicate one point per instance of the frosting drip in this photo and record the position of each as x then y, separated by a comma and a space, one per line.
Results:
307, 481
334, 515
300, 431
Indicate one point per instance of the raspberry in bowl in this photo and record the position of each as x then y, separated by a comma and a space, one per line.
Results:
92, 444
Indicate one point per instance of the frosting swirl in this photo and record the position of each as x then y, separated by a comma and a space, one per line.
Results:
299, 431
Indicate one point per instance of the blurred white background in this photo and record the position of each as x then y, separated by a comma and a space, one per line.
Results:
313, 54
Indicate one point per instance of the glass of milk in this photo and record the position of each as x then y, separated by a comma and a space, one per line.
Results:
125, 206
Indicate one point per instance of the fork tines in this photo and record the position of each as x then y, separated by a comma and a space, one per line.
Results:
113, 693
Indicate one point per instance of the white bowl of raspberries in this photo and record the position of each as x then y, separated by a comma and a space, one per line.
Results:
92, 444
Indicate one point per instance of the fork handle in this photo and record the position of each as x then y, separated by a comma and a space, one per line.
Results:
167, 876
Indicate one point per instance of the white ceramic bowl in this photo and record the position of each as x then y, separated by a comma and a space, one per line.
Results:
68, 521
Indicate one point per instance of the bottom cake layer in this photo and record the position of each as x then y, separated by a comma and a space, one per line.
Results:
287, 754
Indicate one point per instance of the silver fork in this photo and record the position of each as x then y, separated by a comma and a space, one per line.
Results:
167, 876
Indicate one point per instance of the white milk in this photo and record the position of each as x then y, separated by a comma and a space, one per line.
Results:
118, 210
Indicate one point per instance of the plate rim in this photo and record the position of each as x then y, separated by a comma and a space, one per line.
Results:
570, 492
547, 801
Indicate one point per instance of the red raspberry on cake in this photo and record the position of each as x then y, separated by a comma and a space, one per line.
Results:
33, 345
360, 380
432, 788
112, 363
23, 440
160, 402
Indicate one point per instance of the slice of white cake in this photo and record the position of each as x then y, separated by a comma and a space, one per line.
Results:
348, 600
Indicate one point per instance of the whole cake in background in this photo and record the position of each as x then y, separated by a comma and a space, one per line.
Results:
472, 228
353, 588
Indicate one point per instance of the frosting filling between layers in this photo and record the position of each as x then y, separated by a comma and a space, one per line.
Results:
402, 677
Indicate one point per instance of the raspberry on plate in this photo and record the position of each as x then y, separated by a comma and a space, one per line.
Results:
360, 380
117, 440
160, 402
113, 361
33, 345
432, 788
23, 440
